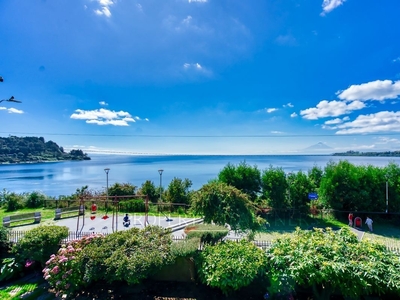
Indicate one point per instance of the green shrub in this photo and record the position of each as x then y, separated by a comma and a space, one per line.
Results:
207, 233
63, 271
13, 201
185, 248
10, 269
133, 205
129, 255
230, 265
4, 242
34, 200
40, 242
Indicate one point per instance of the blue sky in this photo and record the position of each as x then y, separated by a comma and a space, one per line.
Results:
202, 76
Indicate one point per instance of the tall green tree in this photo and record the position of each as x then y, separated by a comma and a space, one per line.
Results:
243, 177
179, 191
148, 188
223, 204
300, 186
274, 188
122, 189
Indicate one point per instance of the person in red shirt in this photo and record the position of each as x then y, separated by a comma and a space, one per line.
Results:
350, 219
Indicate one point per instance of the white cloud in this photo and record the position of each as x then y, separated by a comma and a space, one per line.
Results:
382, 140
379, 122
329, 5
196, 67
288, 105
139, 7
333, 108
293, 115
374, 90
104, 117
336, 121
276, 132
197, 1
104, 9
270, 110
396, 59
103, 103
12, 110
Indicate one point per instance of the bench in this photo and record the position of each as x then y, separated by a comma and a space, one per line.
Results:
78, 210
34, 216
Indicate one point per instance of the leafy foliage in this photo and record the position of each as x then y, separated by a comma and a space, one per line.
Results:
230, 265
148, 189
179, 191
223, 204
328, 261
34, 199
185, 248
243, 177
133, 205
10, 268
122, 189
207, 233
39, 243
274, 187
129, 255
4, 242
13, 201
63, 271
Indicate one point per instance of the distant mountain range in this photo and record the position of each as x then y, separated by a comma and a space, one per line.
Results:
318, 146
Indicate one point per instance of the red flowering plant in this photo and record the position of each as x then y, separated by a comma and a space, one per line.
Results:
63, 271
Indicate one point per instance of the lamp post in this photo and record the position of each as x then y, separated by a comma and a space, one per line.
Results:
160, 172
107, 170
387, 193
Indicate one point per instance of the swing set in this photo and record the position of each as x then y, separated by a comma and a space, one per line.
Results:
114, 202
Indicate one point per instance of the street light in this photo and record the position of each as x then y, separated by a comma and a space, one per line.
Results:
107, 170
387, 193
160, 172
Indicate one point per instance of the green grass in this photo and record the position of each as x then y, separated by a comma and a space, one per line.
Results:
384, 232
30, 291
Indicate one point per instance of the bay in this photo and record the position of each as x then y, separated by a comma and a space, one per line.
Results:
63, 178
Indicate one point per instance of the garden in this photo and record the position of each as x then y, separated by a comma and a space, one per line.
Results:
313, 253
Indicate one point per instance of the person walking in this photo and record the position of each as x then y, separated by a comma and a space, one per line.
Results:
350, 219
369, 222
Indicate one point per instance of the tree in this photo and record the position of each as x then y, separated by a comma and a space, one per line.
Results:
148, 188
122, 189
223, 204
274, 187
329, 261
300, 186
178, 191
315, 175
243, 177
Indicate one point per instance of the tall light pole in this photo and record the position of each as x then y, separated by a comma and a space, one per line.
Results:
387, 193
107, 170
160, 172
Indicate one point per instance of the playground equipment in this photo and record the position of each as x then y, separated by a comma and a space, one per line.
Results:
106, 202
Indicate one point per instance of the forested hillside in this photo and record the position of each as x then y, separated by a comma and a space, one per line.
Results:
15, 149
357, 153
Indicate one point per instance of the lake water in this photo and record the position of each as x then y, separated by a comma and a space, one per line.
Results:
63, 178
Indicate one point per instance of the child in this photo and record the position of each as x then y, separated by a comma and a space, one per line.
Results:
126, 222
369, 222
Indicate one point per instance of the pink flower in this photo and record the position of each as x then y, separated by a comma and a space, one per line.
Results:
55, 270
58, 282
47, 277
67, 286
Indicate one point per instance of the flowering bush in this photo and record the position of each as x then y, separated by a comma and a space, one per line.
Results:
63, 270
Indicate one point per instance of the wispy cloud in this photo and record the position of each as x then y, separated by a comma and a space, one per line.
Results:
288, 105
271, 110
196, 67
104, 9
286, 40
103, 103
104, 117
396, 59
12, 110
276, 132
333, 108
329, 5
383, 121
293, 115
374, 90
197, 1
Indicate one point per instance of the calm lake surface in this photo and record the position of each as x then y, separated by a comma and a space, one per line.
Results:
63, 178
